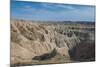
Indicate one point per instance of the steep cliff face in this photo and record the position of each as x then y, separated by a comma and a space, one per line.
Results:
29, 39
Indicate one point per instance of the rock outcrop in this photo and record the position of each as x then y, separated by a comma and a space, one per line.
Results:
46, 56
30, 40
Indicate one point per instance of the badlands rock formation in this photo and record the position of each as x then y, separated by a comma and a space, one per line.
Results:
58, 42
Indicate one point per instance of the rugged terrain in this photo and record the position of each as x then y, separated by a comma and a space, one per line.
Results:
51, 42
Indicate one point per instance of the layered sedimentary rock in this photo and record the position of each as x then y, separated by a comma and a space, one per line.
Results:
30, 40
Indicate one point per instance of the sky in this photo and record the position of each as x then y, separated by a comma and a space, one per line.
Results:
40, 11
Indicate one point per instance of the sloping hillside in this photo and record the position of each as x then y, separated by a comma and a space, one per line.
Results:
31, 41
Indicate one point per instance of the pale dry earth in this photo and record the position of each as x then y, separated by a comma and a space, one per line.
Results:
45, 43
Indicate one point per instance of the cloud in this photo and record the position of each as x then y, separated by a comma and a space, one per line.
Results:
53, 12
65, 6
56, 7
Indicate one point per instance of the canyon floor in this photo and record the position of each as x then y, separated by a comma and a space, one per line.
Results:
35, 42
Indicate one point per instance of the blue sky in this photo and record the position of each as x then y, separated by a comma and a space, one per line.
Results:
51, 12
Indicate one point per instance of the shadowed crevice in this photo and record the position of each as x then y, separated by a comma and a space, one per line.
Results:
46, 55
84, 51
